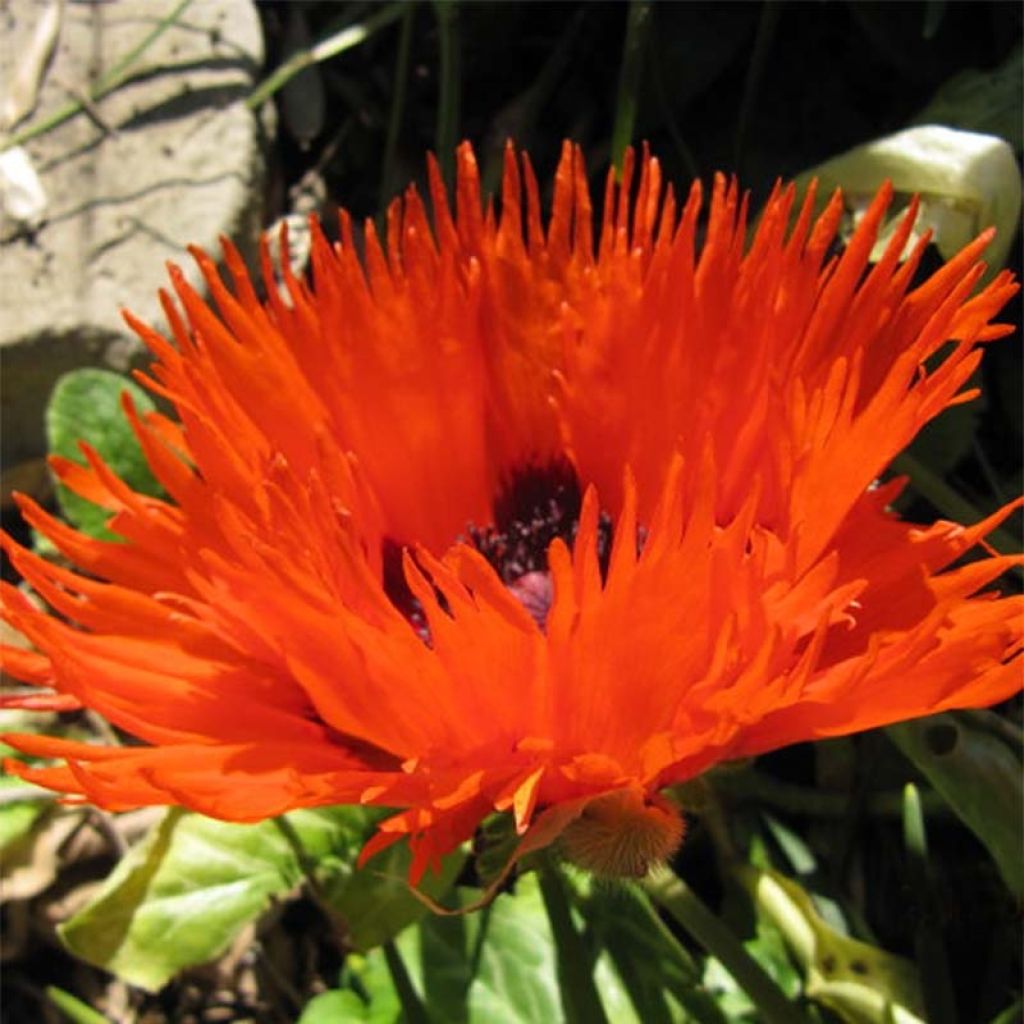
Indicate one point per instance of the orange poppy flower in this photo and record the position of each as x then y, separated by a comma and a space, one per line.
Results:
498, 518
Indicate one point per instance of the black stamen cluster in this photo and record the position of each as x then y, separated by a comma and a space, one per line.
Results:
398, 592
536, 505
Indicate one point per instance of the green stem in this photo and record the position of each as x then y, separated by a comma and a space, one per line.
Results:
73, 1008
330, 46
412, 1008
105, 84
630, 73
675, 897
575, 965
932, 963
447, 14
402, 59
752, 86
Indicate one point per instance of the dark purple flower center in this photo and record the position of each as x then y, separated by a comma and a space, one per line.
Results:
535, 505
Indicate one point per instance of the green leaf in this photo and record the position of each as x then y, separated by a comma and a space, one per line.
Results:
184, 893
331, 837
336, 1005
769, 949
497, 965
367, 995
493, 967
376, 901
1011, 1014
804, 865
86, 405
731, 1001
18, 817
980, 776
372, 978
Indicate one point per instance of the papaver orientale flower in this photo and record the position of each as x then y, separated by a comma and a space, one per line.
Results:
501, 516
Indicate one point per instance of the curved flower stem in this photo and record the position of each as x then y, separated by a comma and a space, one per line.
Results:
582, 1004
674, 896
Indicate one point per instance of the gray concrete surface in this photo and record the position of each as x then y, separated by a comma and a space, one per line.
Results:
170, 158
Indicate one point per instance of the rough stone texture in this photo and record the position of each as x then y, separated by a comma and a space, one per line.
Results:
176, 160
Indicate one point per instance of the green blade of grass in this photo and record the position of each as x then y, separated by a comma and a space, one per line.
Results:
397, 112
637, 21
73, 1008
330, 46
447, 136
107, 83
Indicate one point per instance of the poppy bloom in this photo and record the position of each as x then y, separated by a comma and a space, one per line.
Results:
501, 518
